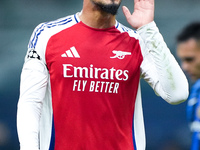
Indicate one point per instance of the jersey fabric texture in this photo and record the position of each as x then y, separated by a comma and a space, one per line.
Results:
193, 114
80, 85
87, 106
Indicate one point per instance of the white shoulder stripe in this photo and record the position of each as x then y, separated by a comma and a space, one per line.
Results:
131, 32
41, 27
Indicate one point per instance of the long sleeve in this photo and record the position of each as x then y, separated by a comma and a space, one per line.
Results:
159, 67
33, 88
34, 113
34, 80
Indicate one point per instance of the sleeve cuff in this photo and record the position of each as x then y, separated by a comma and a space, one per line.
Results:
147, 29
147, 26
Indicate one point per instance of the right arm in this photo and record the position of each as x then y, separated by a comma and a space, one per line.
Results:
33, 85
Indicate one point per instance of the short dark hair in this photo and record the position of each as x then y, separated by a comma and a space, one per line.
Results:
192, 30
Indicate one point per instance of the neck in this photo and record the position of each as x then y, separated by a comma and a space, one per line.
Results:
94, 17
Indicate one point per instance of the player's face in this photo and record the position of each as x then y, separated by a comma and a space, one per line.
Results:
189, 54
108, 6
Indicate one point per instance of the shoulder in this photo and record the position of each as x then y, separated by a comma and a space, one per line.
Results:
47, 29
122, 28
132, 34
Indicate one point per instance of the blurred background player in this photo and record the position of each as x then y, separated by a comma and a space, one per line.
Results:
188, 50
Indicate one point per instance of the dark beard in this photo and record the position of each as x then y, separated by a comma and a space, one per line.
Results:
108, 8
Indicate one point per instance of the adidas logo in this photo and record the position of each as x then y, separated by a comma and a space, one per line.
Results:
72, 52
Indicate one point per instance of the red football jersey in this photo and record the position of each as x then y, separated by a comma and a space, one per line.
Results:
94, 76
80, 86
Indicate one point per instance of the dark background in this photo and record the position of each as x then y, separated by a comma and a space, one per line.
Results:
165, 124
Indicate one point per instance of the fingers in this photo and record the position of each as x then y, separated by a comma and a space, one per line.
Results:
126, 12
151, 1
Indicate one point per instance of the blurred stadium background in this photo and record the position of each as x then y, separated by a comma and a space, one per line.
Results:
166, 126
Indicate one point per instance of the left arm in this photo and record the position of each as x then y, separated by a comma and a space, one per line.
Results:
159, 68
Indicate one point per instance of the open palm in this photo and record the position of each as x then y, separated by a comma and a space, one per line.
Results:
143, 13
